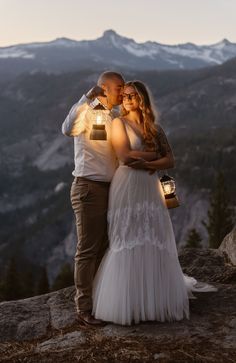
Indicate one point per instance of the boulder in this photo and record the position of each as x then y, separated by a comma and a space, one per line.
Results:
228, 246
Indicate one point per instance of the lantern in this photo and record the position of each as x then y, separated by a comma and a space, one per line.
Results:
98, 130
168, 186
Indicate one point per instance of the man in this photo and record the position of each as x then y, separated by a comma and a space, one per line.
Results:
95, 164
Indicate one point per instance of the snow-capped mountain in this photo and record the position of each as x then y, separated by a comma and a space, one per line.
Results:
113, 51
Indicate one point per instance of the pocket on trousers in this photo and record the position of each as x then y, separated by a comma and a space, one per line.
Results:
80, 191
83, 192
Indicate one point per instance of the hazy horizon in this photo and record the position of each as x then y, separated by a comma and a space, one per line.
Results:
123, 35
162, 21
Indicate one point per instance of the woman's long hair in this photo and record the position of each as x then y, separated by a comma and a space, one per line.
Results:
148, 115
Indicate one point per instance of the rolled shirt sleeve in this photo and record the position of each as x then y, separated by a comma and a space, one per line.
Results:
73, 124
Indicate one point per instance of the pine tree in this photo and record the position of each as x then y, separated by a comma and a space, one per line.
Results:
220, 214
1, 291
43, 284
27, 281
11, 285
193, 239
65, 278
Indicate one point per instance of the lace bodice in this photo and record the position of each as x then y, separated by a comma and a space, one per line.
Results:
136, 141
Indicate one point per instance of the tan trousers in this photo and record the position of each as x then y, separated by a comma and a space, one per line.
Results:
90, 202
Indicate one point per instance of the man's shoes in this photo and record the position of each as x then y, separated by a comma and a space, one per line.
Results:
86, 318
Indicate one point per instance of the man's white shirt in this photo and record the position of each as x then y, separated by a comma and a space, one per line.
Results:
94, 159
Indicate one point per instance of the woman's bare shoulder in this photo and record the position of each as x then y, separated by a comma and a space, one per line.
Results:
117, 122
117, 119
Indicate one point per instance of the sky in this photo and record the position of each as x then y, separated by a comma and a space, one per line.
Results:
163, 21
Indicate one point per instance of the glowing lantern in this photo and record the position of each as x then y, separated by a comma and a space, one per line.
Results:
168, 186
98, 130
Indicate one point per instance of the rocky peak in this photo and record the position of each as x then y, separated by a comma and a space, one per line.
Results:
225, 42
109, 33
112, 38
222, 44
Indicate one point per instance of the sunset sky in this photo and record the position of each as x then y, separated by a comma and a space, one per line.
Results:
164, 21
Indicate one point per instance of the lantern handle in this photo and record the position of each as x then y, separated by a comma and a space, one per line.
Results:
163, 172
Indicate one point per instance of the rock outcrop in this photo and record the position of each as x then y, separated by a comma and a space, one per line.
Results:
44, 328
228, 246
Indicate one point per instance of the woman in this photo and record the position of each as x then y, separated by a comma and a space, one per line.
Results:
140, 277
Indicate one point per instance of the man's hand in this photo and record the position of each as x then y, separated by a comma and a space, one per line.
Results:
141, 164
94, 92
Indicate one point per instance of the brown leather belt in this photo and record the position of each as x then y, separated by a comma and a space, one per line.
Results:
79, 178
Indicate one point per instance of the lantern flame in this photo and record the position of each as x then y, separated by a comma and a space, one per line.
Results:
99, 120
167, 189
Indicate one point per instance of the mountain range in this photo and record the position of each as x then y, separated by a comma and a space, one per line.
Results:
197, 111
109, 51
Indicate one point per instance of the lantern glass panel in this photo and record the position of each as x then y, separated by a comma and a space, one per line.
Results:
169, 187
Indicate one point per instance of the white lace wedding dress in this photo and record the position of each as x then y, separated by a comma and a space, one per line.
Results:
140, 277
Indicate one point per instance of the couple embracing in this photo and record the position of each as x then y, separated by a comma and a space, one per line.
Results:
126, 262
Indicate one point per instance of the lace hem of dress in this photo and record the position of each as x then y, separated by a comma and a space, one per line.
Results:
133, 244
146, 217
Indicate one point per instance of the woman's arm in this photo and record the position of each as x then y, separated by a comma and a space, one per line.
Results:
164, 157
166, 162
121, 144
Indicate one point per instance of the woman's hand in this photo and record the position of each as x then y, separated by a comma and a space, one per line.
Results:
138, 163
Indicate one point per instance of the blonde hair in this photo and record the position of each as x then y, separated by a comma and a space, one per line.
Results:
148, 114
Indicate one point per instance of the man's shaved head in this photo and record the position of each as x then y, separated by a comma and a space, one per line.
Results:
107, 76
112, 84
